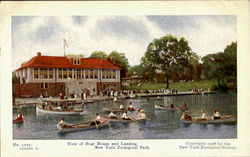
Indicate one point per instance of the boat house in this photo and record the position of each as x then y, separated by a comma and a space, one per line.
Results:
69, 75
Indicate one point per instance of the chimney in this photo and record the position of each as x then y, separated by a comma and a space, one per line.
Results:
38, 53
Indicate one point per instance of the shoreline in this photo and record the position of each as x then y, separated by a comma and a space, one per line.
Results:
19, 102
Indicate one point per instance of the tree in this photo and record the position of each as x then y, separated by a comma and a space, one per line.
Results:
221, 65
98, 54
15, 79
119, 60
147, 72
73, 55
169, 56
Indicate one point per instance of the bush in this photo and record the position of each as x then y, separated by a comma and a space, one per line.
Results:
221, 87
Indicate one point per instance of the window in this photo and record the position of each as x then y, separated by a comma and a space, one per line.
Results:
78, 73
86, 73
96, 74
75, 73
50, 73
64, 73
82, 73
113, 74
76, 61
70, 73
44, 85
91, 73
108, 74
36, 73
43, 73
60, 73
103, 74
26, 73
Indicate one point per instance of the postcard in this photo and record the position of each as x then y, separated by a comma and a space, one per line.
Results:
108, 78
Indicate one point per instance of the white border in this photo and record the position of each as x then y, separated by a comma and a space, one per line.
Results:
158, 147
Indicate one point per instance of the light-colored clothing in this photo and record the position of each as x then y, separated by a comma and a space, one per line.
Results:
141, 111
20, 115
130, 106
216, 114
183, 116
125, 116
141, 116
112, 115
203, 116
121, 107
62, 123
98, 118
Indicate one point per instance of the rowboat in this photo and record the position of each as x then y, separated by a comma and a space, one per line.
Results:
18, 120
53, 106
120, 120
39, 109
114, 109
131, 109
82, 126
141, 120
161, 107
223, 119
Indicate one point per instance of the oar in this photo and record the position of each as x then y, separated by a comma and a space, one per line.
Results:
177, 107
96, 125
133, 119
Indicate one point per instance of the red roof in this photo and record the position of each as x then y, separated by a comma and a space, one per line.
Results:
64, 62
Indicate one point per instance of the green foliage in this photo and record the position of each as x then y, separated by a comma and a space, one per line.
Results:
171, 57
73, 55
98, 54
119, 60
221, 66
15, 79
181, 86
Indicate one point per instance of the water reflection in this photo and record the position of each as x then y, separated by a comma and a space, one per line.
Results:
160, 124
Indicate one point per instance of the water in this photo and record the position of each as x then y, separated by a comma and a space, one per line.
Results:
161, 124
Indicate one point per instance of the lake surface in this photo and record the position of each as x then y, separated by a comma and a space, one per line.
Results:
161, 124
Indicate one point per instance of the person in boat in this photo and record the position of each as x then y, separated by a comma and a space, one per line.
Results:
124, 116
185, 116
216, 115
203, 115
141, 114
131, 107
97, 120
112, 115
62, 122
184, 106
172, 106
122, 107
43, 105
19, 115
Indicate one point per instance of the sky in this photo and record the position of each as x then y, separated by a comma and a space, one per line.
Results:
126, 34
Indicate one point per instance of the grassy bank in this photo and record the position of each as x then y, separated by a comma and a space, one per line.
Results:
181, 86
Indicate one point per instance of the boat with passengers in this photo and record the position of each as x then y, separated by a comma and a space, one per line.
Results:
59, 106
130, 120
82, 126
209, 120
